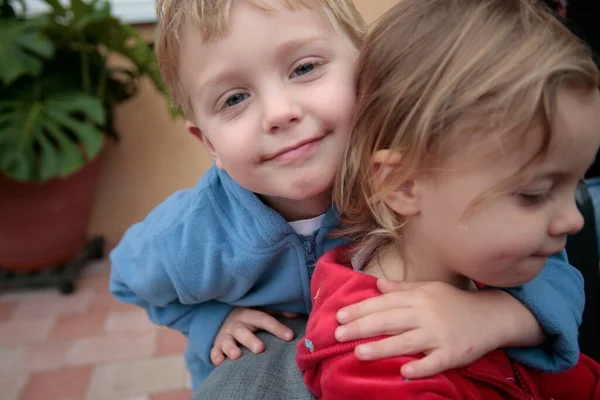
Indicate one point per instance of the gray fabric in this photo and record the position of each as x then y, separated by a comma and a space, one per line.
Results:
271, 375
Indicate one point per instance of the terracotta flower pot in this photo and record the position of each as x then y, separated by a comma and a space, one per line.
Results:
45, 224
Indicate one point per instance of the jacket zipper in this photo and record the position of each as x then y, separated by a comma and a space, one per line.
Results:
520, 380
519, 393
309, 252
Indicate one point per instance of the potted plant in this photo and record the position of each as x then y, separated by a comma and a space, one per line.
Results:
58, 89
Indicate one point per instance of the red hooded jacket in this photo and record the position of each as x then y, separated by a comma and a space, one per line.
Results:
332, 371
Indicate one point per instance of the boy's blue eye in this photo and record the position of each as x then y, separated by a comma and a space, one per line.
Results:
304, 69
236, 99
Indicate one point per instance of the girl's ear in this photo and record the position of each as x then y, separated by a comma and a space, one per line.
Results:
404, 198
195, 131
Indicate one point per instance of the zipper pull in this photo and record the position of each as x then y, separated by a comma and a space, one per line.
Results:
308, 245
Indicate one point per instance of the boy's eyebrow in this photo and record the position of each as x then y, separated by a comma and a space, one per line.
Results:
216, 79
290, 46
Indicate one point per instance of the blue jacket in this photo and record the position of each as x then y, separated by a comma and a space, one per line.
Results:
216, 246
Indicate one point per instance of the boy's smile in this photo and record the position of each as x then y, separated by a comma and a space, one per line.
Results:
273, 102
300, 151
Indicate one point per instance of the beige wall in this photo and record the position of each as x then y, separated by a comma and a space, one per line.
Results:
155, 155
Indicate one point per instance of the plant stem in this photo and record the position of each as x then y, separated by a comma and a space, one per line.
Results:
28, 129
101, 90
85, 72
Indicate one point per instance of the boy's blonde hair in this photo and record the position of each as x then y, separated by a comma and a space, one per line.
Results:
211, 19
433, 73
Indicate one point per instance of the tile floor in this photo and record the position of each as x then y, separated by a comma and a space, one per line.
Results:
86, 346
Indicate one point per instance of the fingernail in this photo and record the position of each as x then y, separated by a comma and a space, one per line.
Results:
407, 370
340, 333
363, 352
342, 316
289, 335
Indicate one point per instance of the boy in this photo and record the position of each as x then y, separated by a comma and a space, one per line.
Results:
268, 87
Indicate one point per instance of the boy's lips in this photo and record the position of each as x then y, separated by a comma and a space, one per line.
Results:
294, 152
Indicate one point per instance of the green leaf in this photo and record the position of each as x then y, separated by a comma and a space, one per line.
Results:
97, 15
23, 46
71, 158
49, 158
49, 137
17, 164
89, 135
57, 8
90, 106
80, 7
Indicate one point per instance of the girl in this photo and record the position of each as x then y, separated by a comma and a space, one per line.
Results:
476, 120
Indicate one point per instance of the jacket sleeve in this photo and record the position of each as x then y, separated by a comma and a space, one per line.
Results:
346, 377
200, 323
556, 298
141, 274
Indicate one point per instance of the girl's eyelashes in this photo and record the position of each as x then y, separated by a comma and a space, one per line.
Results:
534, 198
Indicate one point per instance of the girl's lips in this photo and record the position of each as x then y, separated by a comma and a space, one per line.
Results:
547, 254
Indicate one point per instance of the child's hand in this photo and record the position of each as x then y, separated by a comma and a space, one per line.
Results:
239, 328
451, 326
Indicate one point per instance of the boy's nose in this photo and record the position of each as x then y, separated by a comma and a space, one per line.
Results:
569, 222
280, 113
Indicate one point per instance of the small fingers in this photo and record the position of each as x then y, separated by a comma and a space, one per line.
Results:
432, 364
408, 343
388, 322
270, 324
244, 336
373, 305
216, 356
231, 349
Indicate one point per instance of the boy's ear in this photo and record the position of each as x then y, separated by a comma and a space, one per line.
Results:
195, 131
404, 199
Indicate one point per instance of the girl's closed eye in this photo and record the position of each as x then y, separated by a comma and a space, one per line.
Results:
535, 198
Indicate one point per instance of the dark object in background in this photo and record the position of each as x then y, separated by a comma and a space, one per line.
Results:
557, 6
583, 18
582, 249
62, 276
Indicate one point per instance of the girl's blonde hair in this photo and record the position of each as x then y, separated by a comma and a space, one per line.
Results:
211, 19
434, 72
